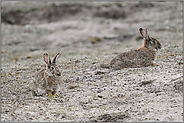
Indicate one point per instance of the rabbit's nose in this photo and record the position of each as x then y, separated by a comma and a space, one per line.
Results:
59, 73
159, 46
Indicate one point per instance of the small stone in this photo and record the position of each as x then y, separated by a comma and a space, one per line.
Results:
99, 96
77, 79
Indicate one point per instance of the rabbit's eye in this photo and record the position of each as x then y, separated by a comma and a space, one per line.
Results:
52, 68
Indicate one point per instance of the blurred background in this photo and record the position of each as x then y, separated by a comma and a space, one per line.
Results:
84, 29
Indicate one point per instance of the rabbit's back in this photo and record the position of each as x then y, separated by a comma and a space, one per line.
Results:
125, 58
133, 58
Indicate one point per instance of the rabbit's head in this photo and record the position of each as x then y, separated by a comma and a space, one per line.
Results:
149, 42
52, 68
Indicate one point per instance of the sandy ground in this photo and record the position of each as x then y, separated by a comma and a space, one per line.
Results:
88, 35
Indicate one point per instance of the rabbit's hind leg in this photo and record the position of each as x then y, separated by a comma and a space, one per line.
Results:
49, 92
54, 93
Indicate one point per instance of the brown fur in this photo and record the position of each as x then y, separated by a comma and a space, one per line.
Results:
144, 56
47, 79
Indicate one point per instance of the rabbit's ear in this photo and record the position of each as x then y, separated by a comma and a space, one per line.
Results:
144, 33
56, 58
47, 58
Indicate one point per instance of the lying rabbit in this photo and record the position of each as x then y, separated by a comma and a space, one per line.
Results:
144, 56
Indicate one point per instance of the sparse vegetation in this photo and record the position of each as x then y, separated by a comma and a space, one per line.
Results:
87, 35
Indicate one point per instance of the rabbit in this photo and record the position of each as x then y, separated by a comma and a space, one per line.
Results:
144, 56
48, 79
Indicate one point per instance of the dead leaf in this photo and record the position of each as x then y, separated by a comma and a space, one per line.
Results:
28, 57
180, 63
94, 39
147, 82
160, 56
15, 58
170, 55
3, 51
72, 86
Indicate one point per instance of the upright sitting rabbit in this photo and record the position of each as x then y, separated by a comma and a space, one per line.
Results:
48, 79
144, 56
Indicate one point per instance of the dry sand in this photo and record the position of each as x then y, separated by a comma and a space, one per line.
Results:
88, 35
